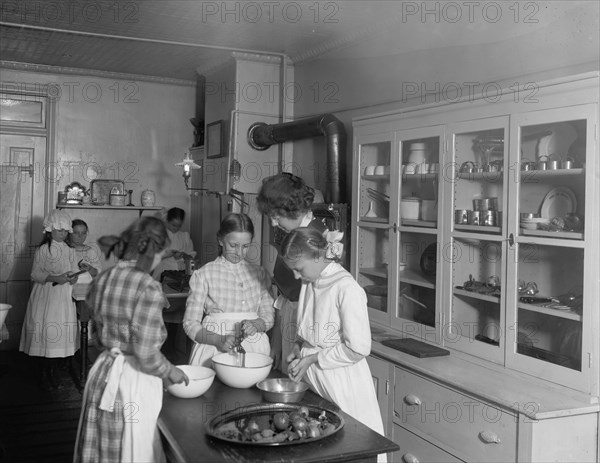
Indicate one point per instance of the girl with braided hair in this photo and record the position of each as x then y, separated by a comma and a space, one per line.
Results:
123, 393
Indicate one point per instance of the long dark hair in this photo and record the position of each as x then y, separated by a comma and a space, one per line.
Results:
145, 236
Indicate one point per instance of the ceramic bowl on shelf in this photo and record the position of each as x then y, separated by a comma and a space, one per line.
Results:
229, 370
201, 378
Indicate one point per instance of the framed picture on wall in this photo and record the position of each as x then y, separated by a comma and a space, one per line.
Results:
214, 140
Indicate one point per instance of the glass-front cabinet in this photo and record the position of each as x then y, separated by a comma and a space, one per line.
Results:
518, 241
554, 239
416, 310
374, 213
396, 211
476, 227
477, 179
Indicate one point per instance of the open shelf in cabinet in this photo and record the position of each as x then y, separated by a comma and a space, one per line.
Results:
478, 228
375, 176
568, 314
552, 234
418, 223
529, 175
481, 176
380, 272
374, 219
474, 295
415, 278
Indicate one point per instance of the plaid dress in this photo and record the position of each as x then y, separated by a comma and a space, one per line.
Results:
227, 293
126, 305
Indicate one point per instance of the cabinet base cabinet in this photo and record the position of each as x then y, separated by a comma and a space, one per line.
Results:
414, 449
478, 430
568, 438
432, 422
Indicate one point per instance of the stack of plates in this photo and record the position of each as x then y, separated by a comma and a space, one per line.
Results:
532, 223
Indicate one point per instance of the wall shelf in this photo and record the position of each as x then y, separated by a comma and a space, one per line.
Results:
140, 209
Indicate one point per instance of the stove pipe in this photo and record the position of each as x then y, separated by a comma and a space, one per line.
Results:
261, 136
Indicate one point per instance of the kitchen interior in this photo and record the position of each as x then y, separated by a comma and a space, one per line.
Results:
454, 143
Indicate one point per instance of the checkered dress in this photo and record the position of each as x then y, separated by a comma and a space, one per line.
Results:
223, 287
126, 305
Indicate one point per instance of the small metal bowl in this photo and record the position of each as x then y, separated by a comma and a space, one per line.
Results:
282, 390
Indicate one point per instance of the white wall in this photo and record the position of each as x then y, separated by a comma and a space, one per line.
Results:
130, 130
390, 69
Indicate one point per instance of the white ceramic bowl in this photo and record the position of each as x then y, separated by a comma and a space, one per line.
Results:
201, 378
231, 373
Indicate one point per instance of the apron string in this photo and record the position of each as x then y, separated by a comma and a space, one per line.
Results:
107, 402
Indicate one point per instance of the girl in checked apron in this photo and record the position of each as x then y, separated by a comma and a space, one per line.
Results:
123, 393
229, 297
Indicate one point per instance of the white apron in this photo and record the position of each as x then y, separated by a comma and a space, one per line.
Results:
228, 323
142, 401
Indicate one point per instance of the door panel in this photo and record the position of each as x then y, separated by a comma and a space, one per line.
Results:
22, 192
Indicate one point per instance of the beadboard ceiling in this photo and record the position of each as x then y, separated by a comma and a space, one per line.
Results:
173, 39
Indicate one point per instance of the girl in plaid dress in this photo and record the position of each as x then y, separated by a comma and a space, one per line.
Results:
123, 394
229, 296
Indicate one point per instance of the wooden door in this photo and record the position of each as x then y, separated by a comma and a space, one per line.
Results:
22, 194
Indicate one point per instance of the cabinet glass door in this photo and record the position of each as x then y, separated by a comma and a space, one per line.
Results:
477, 186
373, 213
549, 312
421, 160
480, 172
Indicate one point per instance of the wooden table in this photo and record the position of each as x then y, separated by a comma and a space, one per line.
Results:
182, 423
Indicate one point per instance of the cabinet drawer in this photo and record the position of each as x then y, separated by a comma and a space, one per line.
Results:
414, 449
475, 429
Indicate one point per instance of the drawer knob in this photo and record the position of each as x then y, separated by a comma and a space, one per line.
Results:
409, 458
489, 437
412, 399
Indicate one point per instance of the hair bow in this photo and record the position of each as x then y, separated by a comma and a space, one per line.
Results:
335, 248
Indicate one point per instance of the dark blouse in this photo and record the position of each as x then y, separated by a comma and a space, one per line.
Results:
283, 276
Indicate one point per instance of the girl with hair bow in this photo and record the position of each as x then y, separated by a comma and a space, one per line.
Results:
333, 335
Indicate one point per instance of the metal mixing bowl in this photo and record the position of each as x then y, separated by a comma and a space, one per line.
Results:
282, 390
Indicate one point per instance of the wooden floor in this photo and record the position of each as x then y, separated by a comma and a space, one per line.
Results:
35, 425
38, 426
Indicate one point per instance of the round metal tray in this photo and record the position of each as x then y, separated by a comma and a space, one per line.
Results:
260, 410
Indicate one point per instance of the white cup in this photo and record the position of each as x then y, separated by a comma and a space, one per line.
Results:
409, 168
370, 170
379, 170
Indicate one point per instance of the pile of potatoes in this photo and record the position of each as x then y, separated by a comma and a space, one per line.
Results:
279, 427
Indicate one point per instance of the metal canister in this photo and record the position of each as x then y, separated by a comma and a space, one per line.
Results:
62, 197
461, 216
474, 217
489, 218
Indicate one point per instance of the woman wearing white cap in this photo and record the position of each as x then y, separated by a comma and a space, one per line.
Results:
50, 326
